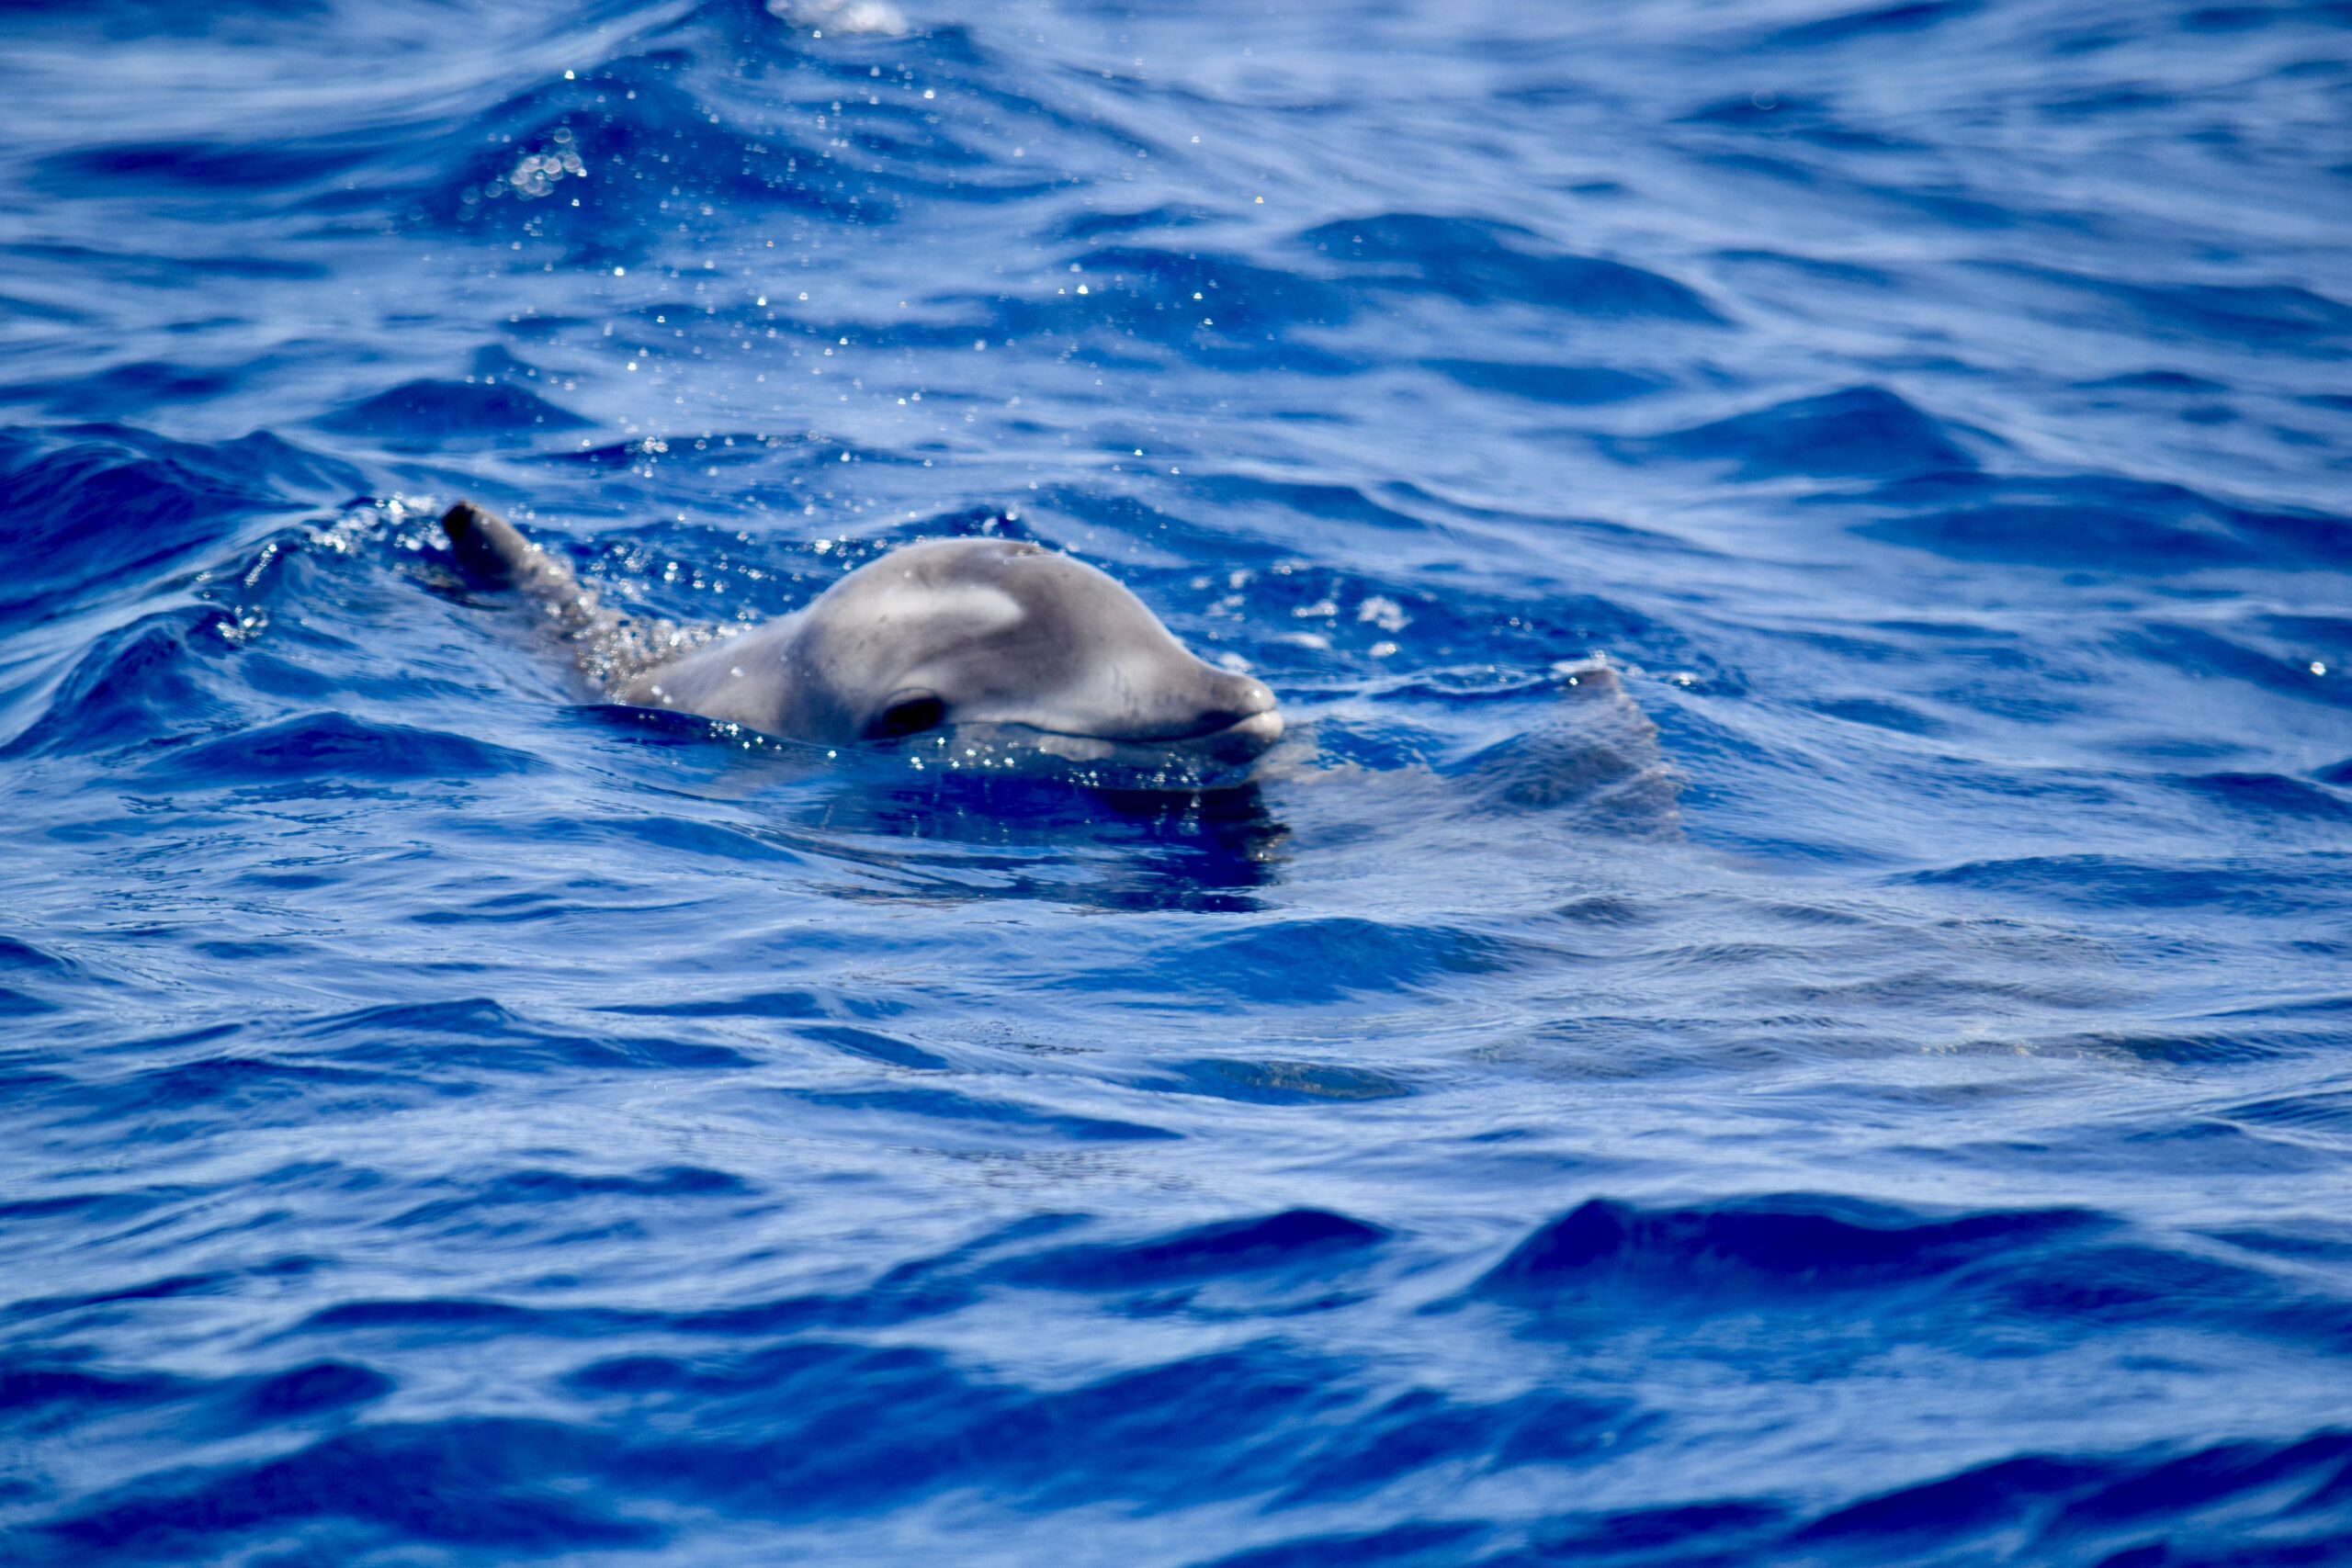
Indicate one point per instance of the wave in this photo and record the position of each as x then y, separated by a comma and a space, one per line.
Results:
1479, 261
1857, 1085
1825, 1241
101, 506
1867, 432
424, 415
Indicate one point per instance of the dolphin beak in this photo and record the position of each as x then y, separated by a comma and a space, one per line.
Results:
1237, 723
1255, 722
1262, 728
1256, 696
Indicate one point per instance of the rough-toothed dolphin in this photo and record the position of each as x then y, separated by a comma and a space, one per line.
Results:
1004, 648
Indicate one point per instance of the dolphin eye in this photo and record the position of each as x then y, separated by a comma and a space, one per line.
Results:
909, 713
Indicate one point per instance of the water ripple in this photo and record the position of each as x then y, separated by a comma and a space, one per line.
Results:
1780, 1003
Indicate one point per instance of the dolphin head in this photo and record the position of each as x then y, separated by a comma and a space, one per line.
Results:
997, 642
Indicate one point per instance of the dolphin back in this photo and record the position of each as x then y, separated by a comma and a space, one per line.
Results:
609, 648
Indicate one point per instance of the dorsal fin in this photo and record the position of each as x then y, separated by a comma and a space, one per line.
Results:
609, 646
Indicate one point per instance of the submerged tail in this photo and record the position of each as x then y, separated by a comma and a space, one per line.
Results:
608, 646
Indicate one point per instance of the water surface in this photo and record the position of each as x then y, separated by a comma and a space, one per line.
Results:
452, 1121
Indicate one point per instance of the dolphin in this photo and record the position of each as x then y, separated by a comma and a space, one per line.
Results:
987, 651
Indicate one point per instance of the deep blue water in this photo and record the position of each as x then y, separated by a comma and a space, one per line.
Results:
451, 1122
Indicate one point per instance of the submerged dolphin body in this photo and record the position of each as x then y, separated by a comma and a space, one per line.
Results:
1010, 648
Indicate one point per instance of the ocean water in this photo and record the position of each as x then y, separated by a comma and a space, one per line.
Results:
1901, 1113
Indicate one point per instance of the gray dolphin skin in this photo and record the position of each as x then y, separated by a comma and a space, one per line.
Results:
1008, 648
